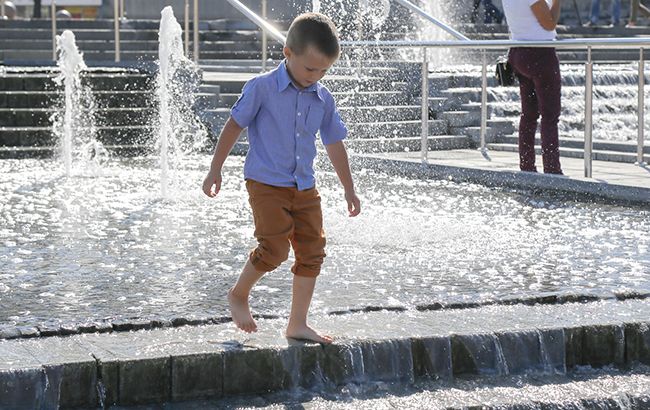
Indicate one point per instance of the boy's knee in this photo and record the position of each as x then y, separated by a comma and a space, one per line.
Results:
308, 271
267, 258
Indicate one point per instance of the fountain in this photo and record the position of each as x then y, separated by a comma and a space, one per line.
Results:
74, 122
180, 130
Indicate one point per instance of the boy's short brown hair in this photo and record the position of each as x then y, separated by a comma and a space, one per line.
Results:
314, 29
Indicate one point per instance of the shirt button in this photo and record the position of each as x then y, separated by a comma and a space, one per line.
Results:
297, 134
298, 157
299, 114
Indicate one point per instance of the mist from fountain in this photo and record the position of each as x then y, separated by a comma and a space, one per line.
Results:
180, 130
74, 120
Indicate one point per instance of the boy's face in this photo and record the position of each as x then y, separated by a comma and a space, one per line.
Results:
307, 68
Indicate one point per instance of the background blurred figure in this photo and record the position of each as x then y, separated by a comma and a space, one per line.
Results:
63, 14
10, 11
635, 8
491, 13
595, 13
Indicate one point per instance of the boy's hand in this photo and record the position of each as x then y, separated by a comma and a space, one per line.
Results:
212, 183
354, 204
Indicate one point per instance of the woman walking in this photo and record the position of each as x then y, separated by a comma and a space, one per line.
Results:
635, 8
538, 72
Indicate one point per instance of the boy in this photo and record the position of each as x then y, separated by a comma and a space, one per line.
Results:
283, 110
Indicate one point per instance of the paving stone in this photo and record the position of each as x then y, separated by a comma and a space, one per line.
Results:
197, 375
252, 371
143, 381
22, 388
432, 358
637, 341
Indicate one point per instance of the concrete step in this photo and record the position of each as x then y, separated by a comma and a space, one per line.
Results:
43, 136
600, 145
96, 81
107, 99
600, 155
395, 129
41, 117
383, 113
190, 362
402, 144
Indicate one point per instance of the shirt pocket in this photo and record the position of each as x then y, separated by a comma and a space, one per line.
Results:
314, 119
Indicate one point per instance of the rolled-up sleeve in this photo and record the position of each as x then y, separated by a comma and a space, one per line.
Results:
332, 128
248, 104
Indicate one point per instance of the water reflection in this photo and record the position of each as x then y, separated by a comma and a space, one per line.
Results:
81, 249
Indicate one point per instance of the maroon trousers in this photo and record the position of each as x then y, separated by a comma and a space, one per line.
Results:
538, 72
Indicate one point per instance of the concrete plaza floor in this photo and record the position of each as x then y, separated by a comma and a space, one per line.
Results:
610, 180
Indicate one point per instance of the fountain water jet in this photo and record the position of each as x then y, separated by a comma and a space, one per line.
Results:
74, 123
180, 130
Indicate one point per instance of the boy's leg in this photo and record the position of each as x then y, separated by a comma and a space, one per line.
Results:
303, 290
273, 227
308, 243
238, 298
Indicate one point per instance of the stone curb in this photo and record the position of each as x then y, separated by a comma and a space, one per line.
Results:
125, 325
132, 381
599, 191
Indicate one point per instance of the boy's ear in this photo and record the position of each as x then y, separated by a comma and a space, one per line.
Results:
286, 51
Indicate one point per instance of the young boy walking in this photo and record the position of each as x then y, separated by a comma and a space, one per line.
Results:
283, 110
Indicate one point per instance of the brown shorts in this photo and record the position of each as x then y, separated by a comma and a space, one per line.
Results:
284, 217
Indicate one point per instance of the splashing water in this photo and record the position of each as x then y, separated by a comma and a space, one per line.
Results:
315, 6
178, 79
74, 121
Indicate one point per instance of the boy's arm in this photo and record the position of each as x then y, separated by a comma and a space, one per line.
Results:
339, 158
227, 138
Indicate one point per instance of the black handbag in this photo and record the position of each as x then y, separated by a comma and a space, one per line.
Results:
504, 73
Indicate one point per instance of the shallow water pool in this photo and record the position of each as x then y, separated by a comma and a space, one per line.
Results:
106, 247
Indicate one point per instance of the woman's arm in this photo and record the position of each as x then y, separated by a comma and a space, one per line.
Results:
547, 17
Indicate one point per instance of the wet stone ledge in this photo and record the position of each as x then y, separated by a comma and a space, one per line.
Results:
216, 361
122, 325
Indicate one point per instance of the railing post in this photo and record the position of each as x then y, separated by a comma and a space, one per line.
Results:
2, 8
121, 9
264, 39
187, 28
484, 101
424, 150
641, 109
53, 14
116, 28
589, 78
196, 31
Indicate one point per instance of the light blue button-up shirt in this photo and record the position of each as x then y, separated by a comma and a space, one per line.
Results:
282, 123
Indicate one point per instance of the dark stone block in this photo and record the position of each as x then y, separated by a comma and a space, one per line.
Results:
595, 346
77, 383
476, 354
145, 381
432, 358
302, 366
22, 389
521, 351
343, 364
637, 340
32, 83
252, 371
197, 376
108, 382
388, 360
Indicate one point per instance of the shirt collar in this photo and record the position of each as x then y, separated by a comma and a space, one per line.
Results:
284, 80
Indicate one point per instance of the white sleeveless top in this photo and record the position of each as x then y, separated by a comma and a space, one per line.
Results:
522, 22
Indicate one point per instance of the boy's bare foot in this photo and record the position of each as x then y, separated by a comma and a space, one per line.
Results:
241, 313
305, 332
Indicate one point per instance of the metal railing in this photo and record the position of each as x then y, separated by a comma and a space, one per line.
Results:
462, 42
587, 44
